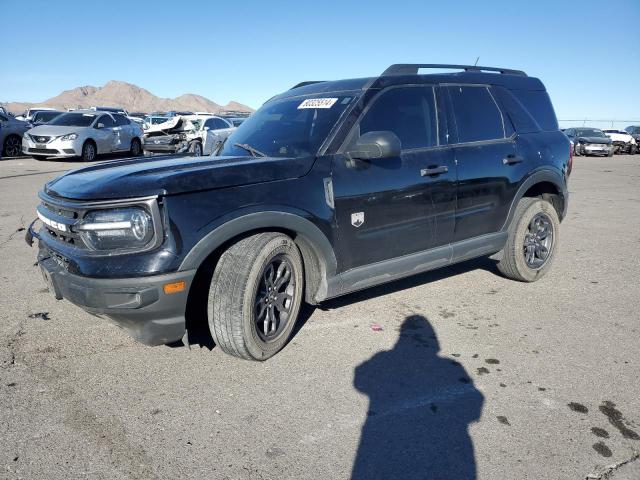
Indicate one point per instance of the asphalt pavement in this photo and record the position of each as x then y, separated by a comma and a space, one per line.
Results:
458, 373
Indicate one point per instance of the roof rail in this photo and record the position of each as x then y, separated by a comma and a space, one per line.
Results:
303, 84
412, 69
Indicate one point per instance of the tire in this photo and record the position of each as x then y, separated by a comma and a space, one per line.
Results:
40, 158
576, 150
239, 297
88, 151
195, 148
136, 148
610, 154
514, 263
633, 149
12, 146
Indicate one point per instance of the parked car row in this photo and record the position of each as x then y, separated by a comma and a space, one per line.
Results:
48, 133
593, 141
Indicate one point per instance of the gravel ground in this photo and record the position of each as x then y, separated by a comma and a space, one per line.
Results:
470, 376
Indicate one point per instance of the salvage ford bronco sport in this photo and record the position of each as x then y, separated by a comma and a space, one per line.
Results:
329, 188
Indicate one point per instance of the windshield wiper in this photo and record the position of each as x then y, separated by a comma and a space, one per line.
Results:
250, 149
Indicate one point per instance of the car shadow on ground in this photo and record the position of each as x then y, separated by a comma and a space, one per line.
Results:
420, 407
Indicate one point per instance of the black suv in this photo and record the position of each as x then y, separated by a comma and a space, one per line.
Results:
329, 188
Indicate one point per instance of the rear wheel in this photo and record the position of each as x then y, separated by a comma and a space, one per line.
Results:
255, 296
88, 152
532, 241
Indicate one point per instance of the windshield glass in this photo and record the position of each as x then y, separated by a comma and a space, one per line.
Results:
590, 132
291, 127
45, 116
74, 119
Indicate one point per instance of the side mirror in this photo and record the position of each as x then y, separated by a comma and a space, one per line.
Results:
206, 128
372, 145
100, 125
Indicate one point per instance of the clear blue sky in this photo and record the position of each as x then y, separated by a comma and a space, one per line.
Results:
586, 52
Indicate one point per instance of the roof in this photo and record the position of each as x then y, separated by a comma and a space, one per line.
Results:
403, 74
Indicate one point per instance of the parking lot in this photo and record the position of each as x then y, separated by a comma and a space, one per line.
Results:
448, 374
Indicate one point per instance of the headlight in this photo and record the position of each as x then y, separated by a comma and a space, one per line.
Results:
117, 229
70, 136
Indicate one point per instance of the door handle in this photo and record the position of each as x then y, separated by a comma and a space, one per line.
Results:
512, 160
427, 172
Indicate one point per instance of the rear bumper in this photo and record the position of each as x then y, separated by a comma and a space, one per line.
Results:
138, 305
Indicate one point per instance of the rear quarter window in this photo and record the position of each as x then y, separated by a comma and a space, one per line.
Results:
538, 104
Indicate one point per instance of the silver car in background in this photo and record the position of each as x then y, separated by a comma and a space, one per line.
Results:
11, 131
84, 134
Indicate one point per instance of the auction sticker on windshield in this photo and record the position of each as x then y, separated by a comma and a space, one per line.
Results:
318, 103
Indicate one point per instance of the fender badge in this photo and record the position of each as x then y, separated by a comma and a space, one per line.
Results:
357, 219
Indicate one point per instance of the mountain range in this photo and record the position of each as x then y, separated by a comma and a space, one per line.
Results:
130, 97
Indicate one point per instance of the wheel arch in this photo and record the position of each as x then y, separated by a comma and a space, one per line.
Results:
545, 183
317, 253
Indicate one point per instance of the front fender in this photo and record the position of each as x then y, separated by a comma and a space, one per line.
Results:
308, 235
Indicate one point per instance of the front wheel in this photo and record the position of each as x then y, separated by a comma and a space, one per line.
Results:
532, 241
136, 148
576, 150
88, 152
256, 295
195, 149
12, 146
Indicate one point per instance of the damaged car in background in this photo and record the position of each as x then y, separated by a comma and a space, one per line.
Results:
196, 134
623, 142
589, 141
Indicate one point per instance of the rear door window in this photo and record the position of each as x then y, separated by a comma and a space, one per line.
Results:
121, 120
476, 113
409, 112
107, 121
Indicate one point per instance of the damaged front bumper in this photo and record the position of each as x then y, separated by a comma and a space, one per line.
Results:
139, 305
176, 143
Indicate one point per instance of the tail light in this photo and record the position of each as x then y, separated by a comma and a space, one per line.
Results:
570, 163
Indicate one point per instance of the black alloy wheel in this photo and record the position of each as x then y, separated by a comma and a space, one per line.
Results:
274, 298
538, 241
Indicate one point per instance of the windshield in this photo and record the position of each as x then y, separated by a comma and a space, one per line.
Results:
155, 120
45, 116
590, 132
74, 119
291, 127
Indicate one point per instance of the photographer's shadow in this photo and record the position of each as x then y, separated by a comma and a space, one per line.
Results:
420, 406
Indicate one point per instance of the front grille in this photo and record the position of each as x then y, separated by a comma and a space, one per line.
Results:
50, 209
40, 138
50, 151
63, 212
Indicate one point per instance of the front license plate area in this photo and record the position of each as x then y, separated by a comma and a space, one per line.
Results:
40, 145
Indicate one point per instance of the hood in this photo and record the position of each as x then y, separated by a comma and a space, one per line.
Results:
170, 175
53, 130
605, 140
